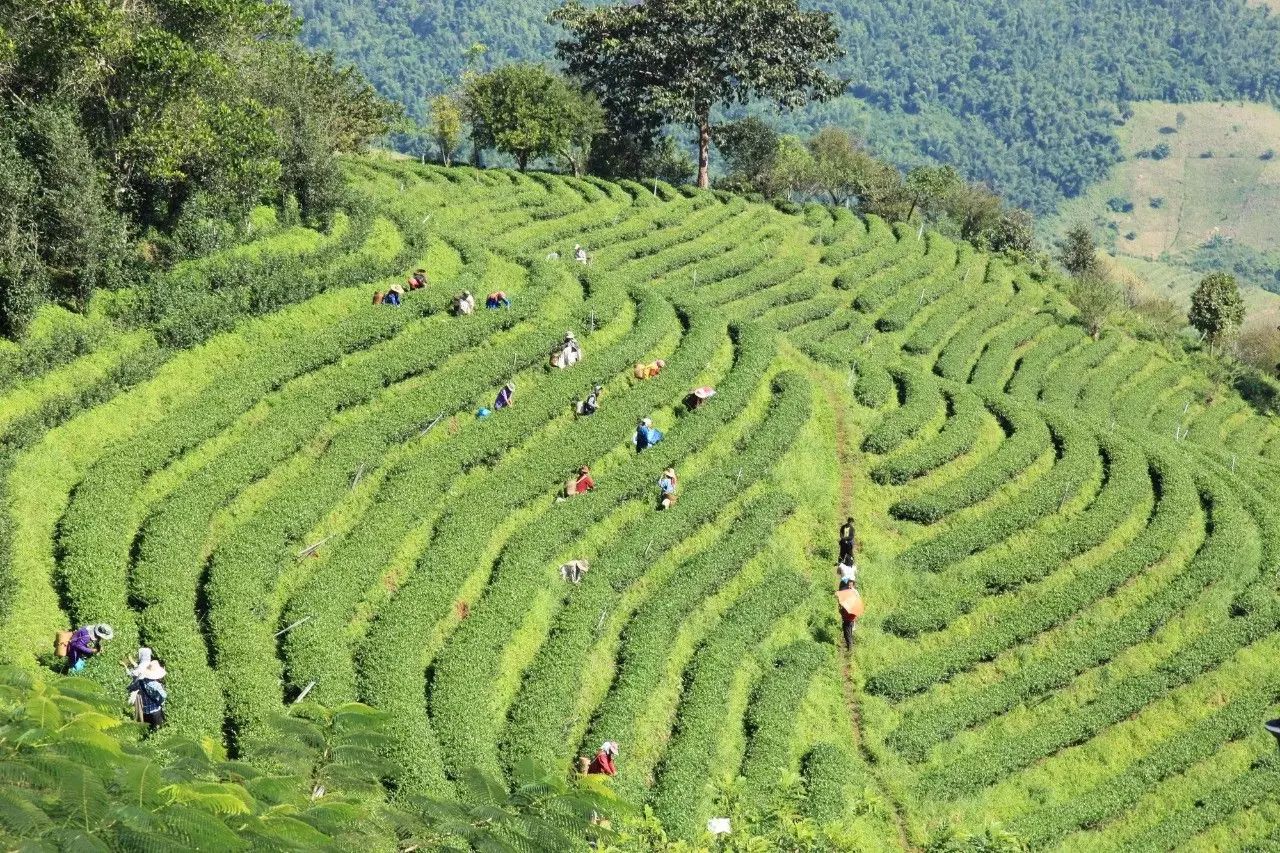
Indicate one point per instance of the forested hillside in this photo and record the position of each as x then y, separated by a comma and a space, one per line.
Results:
136, 135
1023, 94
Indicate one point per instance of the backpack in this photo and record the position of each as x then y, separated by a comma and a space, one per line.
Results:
62, 643
154, 691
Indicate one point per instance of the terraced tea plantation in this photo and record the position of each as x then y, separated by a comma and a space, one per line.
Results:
1068, 548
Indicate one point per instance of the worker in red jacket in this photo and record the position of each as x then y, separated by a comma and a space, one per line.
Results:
603, 762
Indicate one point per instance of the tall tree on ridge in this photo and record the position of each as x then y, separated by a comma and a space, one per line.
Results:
1078, 251
682, 58
1216, 308
446, 126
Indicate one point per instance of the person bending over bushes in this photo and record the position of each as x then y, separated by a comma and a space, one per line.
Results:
603, 762
146, 694
590, 405
580, 484
649, 371
83, 643
668, 485
646, 436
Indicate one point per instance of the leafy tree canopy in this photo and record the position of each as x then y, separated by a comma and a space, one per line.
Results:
750, 147
116, 118
1078, 252
1096, 296
528, 112
679, 59
1216, 307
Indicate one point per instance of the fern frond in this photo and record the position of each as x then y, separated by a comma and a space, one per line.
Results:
200, 829
20, 815
219, 798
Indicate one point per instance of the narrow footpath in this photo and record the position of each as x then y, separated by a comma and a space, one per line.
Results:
844, 461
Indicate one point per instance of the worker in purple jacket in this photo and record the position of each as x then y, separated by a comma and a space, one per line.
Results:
85, 644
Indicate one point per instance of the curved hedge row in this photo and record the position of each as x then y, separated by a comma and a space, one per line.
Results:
543, 704
1103, 385
828, 772
865, 255
681, 797
770, 719
1230, 551
1030, 372
1128, 487
1116, 793
1240, 794
1025, 617
995, 362
466, 669
1029, 439
947, 313
1063, 382
965, 416
1044, 498
908, 303
919, 271
922, 402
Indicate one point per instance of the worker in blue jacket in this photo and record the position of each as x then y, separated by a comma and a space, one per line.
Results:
646, 435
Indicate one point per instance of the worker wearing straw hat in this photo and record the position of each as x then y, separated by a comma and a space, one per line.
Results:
146, 693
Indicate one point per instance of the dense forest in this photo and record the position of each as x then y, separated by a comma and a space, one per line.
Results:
135, 135
1022, 94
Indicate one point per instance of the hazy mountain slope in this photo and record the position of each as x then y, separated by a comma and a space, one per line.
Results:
1207, 199
1023, 94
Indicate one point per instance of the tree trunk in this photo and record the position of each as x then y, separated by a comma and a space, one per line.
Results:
704, 151
522, 160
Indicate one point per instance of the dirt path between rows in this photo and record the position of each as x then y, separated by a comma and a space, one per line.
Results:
844, 461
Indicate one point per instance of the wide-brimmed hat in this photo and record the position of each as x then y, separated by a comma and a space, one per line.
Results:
670, 472
660, 363
568, 336
609, 747
646, 422
148, 667
153, 671
397, 289
104, 631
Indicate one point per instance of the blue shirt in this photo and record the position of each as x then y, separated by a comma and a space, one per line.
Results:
153, 694
647, 436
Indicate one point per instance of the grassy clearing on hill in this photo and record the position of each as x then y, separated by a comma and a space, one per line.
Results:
1179, 203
